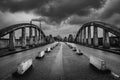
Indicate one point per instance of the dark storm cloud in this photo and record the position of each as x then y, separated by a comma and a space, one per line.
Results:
60, 9
110, 8
56, 10
109, 12
75, 19
20, 5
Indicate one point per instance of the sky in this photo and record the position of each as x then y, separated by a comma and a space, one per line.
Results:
61, 16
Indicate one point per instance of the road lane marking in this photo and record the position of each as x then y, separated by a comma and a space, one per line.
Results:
57, 68
115, 75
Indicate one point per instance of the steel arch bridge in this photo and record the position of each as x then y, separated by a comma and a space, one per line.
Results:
34, 39
88, 35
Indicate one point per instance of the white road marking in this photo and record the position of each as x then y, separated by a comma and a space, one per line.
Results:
115, 75
57, 68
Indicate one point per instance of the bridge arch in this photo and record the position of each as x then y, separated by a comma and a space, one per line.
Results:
37, 39
84, 39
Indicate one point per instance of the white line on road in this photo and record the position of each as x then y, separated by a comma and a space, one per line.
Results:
57, 68
115, 75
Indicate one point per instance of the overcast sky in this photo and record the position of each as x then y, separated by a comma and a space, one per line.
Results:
63, 16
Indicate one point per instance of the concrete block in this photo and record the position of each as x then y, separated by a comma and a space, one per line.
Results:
24, 66
70, 46
74, 49
40, 54
78, 51
98, 63
52, 47
48, 50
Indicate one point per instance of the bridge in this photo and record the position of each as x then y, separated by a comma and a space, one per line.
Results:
94, 38
110, 39
35, 38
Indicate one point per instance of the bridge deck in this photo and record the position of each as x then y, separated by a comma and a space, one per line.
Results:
112, 60
61, 64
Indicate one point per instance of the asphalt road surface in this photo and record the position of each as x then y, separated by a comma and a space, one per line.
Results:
60, 64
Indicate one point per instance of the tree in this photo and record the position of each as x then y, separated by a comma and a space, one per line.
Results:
58, 38
70, 38
65, 39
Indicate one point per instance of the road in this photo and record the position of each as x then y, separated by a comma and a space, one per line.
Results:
112, 60
60, 64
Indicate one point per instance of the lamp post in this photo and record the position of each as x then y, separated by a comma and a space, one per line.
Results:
36, 20
39, 20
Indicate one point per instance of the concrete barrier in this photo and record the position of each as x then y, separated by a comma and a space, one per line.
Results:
70, 46
57, 44
74, 49
24, 66
40, 54
48, 50
78, 51
98, 63
52, 47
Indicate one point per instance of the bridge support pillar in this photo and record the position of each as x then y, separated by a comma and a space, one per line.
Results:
43, 39
36, 36
30, 37
95, 36
89, 35
106, 42
84, 38
77, 39
39, 37
23, 37
12, 40
80, 37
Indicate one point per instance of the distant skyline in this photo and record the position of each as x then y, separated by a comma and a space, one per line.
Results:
63, 16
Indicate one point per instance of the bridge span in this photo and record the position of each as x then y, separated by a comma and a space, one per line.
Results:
62, 63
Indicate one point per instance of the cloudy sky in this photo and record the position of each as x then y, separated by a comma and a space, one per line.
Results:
62, 16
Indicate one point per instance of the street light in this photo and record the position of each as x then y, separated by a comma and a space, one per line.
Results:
38, 20
35, 20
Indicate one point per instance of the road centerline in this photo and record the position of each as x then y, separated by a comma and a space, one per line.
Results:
57, 68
